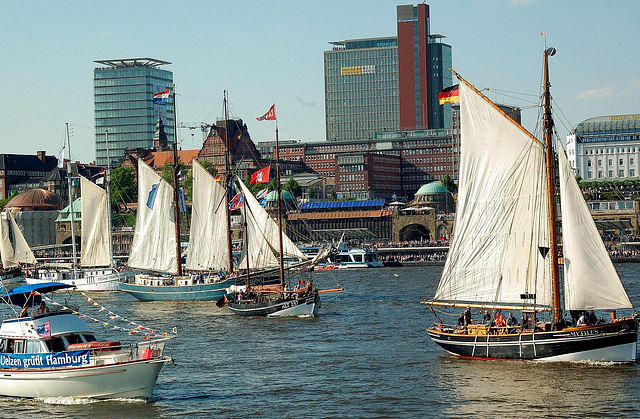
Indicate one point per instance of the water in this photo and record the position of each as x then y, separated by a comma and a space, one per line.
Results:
366, 355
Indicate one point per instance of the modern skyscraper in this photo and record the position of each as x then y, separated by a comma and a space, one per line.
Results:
387, 84
123, 99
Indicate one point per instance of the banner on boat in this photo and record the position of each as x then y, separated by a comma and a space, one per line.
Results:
45, 360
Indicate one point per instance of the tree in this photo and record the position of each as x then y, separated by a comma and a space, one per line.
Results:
293, 187
448, 183
4, 202
123, 186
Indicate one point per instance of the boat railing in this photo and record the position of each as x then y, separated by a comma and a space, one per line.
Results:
477, 329
152, 348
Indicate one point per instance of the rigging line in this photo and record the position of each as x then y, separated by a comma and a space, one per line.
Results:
515, 97
509, 91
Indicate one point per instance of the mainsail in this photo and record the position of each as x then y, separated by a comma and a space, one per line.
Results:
209, 238
154, 241
13, 250
264, 236
502, 212
95, 225
590, 280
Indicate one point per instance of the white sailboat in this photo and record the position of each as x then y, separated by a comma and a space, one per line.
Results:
14, 249
155, 248
504, 253
96, 271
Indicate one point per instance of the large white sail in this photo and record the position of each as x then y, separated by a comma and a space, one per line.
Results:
95, 225
16, 250
209, 238
154, 242
590, 280
502, 212
264, 239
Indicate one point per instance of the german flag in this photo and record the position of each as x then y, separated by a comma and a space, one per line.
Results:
449, 95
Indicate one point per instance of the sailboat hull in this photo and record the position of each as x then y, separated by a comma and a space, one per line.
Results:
612, 342
195, 292
83, 279
306, 306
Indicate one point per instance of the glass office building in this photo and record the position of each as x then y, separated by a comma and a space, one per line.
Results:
123, 101
361, 88
388, 84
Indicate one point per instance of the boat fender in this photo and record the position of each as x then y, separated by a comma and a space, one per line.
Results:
147, 353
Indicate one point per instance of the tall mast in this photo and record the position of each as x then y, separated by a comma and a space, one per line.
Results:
107, 179
228, 180
73, 227
176, 169
548, 131
279, 197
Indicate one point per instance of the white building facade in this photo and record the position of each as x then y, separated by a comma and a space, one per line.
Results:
606, 147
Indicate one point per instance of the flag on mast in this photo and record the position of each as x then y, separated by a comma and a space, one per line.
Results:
449, 95
270, 115
161, 97
260, 176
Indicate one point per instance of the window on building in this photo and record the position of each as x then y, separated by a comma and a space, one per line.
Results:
631, 160
599, 163
632, 172
620, 173
621, 162
610, 173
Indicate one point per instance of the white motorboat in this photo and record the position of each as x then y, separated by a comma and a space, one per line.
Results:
55, 354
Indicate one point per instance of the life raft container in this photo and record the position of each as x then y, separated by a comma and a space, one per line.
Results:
96, 346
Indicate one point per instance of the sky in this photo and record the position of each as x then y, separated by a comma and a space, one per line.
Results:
272, 52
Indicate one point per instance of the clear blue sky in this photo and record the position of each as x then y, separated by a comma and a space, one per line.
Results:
265, 52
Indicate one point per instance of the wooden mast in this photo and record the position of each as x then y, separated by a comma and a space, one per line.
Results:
279, 197
73, 222
227, 168
551, 185
176, 169
107, 181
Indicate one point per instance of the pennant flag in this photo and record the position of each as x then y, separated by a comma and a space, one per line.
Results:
449, 95
151, 199
262, 194
61, 157
182, 200
161, 97
270, 115
44, 330
260, 176
237, 201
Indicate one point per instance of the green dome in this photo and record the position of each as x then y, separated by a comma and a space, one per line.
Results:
286, 196
432, 188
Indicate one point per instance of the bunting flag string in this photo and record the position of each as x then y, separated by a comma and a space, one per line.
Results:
131, 327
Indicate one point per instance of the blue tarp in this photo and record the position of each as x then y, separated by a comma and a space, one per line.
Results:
342, 204
19, 295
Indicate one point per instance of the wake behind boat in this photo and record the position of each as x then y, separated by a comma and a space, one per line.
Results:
504, 253
48, 353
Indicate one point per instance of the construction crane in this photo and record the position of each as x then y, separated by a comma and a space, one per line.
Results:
203, 126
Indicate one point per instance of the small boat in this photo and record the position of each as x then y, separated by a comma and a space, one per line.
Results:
355, 257
54, 354
265, 245
504, 253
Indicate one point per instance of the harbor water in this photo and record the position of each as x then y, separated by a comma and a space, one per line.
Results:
366, 355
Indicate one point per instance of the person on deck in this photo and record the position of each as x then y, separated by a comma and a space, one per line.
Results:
593, 319
511, 320
467, 316
582, 321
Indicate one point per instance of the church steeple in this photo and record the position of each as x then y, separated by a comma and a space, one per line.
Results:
160, 142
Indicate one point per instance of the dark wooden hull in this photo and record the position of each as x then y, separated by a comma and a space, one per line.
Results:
301, 306
615, 342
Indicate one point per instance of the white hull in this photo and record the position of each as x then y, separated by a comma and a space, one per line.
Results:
620, 353
89, 280
356, 265
125, 380
302, 310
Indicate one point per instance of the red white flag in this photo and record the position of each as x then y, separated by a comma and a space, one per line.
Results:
270, 115
260, 176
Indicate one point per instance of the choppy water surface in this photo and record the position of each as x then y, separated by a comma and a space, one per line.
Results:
366, 355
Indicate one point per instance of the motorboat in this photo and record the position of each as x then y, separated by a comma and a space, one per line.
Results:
53, 353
